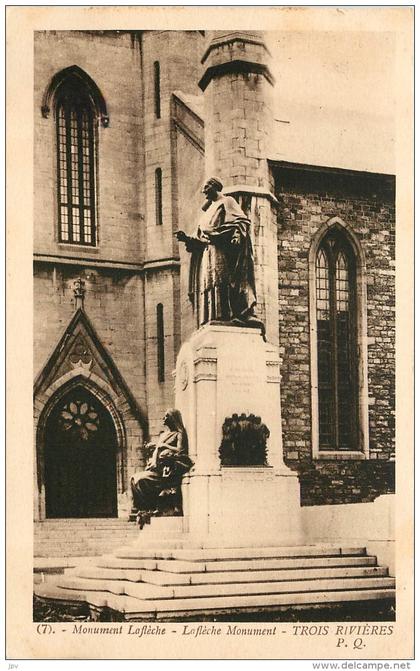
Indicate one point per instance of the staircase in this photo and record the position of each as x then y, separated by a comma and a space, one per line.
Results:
81, 537
170, 579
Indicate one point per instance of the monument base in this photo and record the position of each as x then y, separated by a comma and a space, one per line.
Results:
220, 371
242, 507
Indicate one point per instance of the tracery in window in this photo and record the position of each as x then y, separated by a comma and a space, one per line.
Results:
336, 343
76, 158
79, 417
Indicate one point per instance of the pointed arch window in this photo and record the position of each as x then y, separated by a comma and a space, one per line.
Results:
76, 163
337, 336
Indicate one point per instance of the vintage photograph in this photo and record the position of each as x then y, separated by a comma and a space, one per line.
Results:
214, 222
175, 230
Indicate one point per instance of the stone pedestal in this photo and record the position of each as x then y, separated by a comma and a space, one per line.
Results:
223, 370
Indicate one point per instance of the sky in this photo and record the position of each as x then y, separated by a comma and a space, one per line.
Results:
335, 98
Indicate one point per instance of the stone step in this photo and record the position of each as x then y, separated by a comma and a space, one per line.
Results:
216, 554
63, 538
57, 528
46, 569
92, 554
242, 589
74, 549
110, 561
217, 578
59, 545
66, 530
179, 567
54, 529
78, 552
56, 563
144, 590
72, 521
162, 578
121, 535
98, 573
107, 540
165, 609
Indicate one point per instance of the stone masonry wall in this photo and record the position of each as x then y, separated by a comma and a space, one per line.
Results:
112, 60
177, 53
307, 200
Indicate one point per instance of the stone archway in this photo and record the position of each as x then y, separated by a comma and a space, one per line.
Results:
80, 458
57, 450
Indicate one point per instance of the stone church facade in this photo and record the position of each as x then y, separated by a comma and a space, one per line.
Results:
127, 126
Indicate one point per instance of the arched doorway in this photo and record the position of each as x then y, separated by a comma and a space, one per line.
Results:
80, 458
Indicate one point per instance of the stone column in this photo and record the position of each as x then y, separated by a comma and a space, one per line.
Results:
237, 86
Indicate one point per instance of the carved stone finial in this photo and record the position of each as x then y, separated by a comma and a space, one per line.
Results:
79, 291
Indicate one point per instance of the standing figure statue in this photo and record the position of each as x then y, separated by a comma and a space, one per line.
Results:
168, 464
222, 279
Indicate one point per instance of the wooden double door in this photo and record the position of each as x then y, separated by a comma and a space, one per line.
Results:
80, 458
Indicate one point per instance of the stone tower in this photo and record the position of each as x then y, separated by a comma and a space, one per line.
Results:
237, 85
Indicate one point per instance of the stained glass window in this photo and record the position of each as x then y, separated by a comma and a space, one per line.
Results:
336, 343
76, 166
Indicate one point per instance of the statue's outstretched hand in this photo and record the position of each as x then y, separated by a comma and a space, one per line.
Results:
181, 236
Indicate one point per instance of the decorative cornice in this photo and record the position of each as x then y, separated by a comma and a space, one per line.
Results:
259, 191
161, 264
230, 38
235, 67
345, 172
57, 259
81, 261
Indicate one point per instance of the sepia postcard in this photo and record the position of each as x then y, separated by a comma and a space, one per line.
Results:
210, 333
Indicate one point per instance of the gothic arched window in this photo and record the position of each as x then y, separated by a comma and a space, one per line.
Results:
337, 337
76, 163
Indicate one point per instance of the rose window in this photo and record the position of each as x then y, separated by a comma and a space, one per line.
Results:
80, 418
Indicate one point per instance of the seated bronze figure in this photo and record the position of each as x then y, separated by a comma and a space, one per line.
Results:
164, 471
